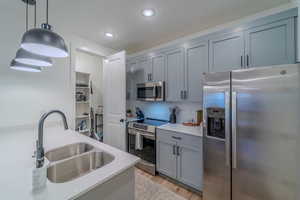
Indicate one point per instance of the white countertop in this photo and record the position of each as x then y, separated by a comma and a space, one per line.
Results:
180, 128
16, 150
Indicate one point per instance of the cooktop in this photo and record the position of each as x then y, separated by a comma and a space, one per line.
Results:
152, 122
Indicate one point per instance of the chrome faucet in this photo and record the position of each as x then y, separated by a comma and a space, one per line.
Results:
39, 142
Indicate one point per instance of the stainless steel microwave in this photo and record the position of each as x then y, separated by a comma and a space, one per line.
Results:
151, 91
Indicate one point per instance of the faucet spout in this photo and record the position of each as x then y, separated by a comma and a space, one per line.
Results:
39, 144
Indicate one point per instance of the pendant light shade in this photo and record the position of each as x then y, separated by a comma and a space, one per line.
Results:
43, 41
28, 58
22, 67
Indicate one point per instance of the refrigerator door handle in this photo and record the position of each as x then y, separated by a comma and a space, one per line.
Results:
174, 149
234, 130
227, 128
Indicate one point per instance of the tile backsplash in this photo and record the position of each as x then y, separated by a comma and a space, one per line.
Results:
161, 110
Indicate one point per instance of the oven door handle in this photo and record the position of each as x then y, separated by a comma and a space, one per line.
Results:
154, 92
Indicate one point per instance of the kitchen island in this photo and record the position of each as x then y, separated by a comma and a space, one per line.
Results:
17, 145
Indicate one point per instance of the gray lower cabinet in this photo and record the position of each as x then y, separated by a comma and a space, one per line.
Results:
271, 44
188, 162
175, 71
179, 156
226, 52
166, 158
196, 65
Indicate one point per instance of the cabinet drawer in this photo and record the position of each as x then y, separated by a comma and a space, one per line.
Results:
179, 138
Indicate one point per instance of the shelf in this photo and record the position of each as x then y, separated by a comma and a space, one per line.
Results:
82, 116
82, 87
84, 131
85, 73
82, 102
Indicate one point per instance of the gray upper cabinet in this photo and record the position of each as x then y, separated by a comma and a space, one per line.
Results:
226, 52
146, 69
175, 71
271, 44
166, 158
158, 67
263, 42
196, 65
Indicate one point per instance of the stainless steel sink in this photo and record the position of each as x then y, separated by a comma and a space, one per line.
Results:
68, 151
78, 166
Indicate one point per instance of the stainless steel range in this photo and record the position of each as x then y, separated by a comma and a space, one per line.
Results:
142, 142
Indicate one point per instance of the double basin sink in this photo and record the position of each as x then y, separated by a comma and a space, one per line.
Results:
75, 160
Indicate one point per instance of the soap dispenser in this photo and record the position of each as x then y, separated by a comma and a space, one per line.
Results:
173, 111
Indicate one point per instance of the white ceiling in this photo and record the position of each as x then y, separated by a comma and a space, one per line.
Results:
174, 18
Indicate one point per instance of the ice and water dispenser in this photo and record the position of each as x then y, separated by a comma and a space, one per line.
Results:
216, 122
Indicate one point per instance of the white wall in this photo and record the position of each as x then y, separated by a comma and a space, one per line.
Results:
92, 64
25, 96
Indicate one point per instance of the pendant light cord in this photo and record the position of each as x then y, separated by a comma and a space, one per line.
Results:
27, 15
35, 15
47, 11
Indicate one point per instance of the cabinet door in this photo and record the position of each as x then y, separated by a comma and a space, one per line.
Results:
145, 66
175, 75
158, 67
196, 65
166, 158
271, 44
190, 166
226, 53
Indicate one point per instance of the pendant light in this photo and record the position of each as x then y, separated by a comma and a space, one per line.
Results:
27, 57
22, 67
43, 41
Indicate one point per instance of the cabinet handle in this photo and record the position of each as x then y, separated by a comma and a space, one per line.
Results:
247, 60
178, 151
241, 61
176, 138
174, 150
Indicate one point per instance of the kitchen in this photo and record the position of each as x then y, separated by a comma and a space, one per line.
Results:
180, 118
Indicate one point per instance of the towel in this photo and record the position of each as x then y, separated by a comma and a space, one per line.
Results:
138, 141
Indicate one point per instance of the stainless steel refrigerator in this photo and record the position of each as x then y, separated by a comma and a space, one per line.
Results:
252, 134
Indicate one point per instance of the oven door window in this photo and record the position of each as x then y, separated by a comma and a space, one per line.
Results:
148, 151
146, 93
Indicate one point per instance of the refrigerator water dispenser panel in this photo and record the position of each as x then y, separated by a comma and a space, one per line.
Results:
216, 122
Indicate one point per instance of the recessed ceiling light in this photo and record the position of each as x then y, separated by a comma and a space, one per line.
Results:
148, 12
110, 35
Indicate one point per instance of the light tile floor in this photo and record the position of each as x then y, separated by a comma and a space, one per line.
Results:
187, 194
